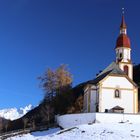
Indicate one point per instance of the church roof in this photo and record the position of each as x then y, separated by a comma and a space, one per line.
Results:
99, 78
123, 41
112, 69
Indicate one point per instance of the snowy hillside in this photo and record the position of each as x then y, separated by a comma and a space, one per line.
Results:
97, 131
14, 113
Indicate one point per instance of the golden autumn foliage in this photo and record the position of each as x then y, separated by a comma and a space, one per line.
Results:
56, 81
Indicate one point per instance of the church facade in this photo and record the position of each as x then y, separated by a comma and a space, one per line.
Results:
113, 90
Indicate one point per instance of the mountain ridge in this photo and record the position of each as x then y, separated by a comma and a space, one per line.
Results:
14, 113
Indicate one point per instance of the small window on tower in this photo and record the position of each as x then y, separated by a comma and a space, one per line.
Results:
126, 69
120, 55
117, 93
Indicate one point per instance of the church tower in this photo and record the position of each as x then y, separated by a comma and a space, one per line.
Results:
123, 50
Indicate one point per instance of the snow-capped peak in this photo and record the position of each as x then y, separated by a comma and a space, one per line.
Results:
25, 109
14, 113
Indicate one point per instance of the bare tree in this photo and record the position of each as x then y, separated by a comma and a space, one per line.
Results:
1, 124
33, 125
6, 125
25, 121
47, 83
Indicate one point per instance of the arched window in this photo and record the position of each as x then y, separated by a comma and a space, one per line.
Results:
120, 55
117, 93
126, 69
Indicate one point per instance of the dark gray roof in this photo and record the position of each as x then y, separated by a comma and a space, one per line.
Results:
118, 108
99, 78
113, 68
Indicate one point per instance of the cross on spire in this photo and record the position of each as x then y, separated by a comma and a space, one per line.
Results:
122, 11
123, 24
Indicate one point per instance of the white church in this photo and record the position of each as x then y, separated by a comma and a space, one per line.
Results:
114, 90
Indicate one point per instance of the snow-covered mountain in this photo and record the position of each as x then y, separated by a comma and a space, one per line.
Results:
14, 113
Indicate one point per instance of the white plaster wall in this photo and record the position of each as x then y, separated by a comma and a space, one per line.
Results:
125, 101
126, 53
107, 99
93, 99
121, 65
114, 81
71, 120
85, 103
118, 51
117, 117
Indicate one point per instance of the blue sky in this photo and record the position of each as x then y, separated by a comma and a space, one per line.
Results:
37, 34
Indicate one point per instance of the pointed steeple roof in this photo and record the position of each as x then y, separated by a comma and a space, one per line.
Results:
123, 39
123, 24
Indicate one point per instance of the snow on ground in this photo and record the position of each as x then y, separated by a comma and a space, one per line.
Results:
97, 131
39, 135
14, 113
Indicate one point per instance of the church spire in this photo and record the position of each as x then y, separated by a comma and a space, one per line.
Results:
123, 40
123, 27
123, 50
123, 24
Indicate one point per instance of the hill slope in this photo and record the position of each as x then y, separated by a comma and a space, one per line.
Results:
95, 131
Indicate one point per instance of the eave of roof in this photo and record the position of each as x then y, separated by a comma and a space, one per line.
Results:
112, 70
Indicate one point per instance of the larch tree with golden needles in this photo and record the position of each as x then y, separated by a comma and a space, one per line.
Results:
56, 82
57, 85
